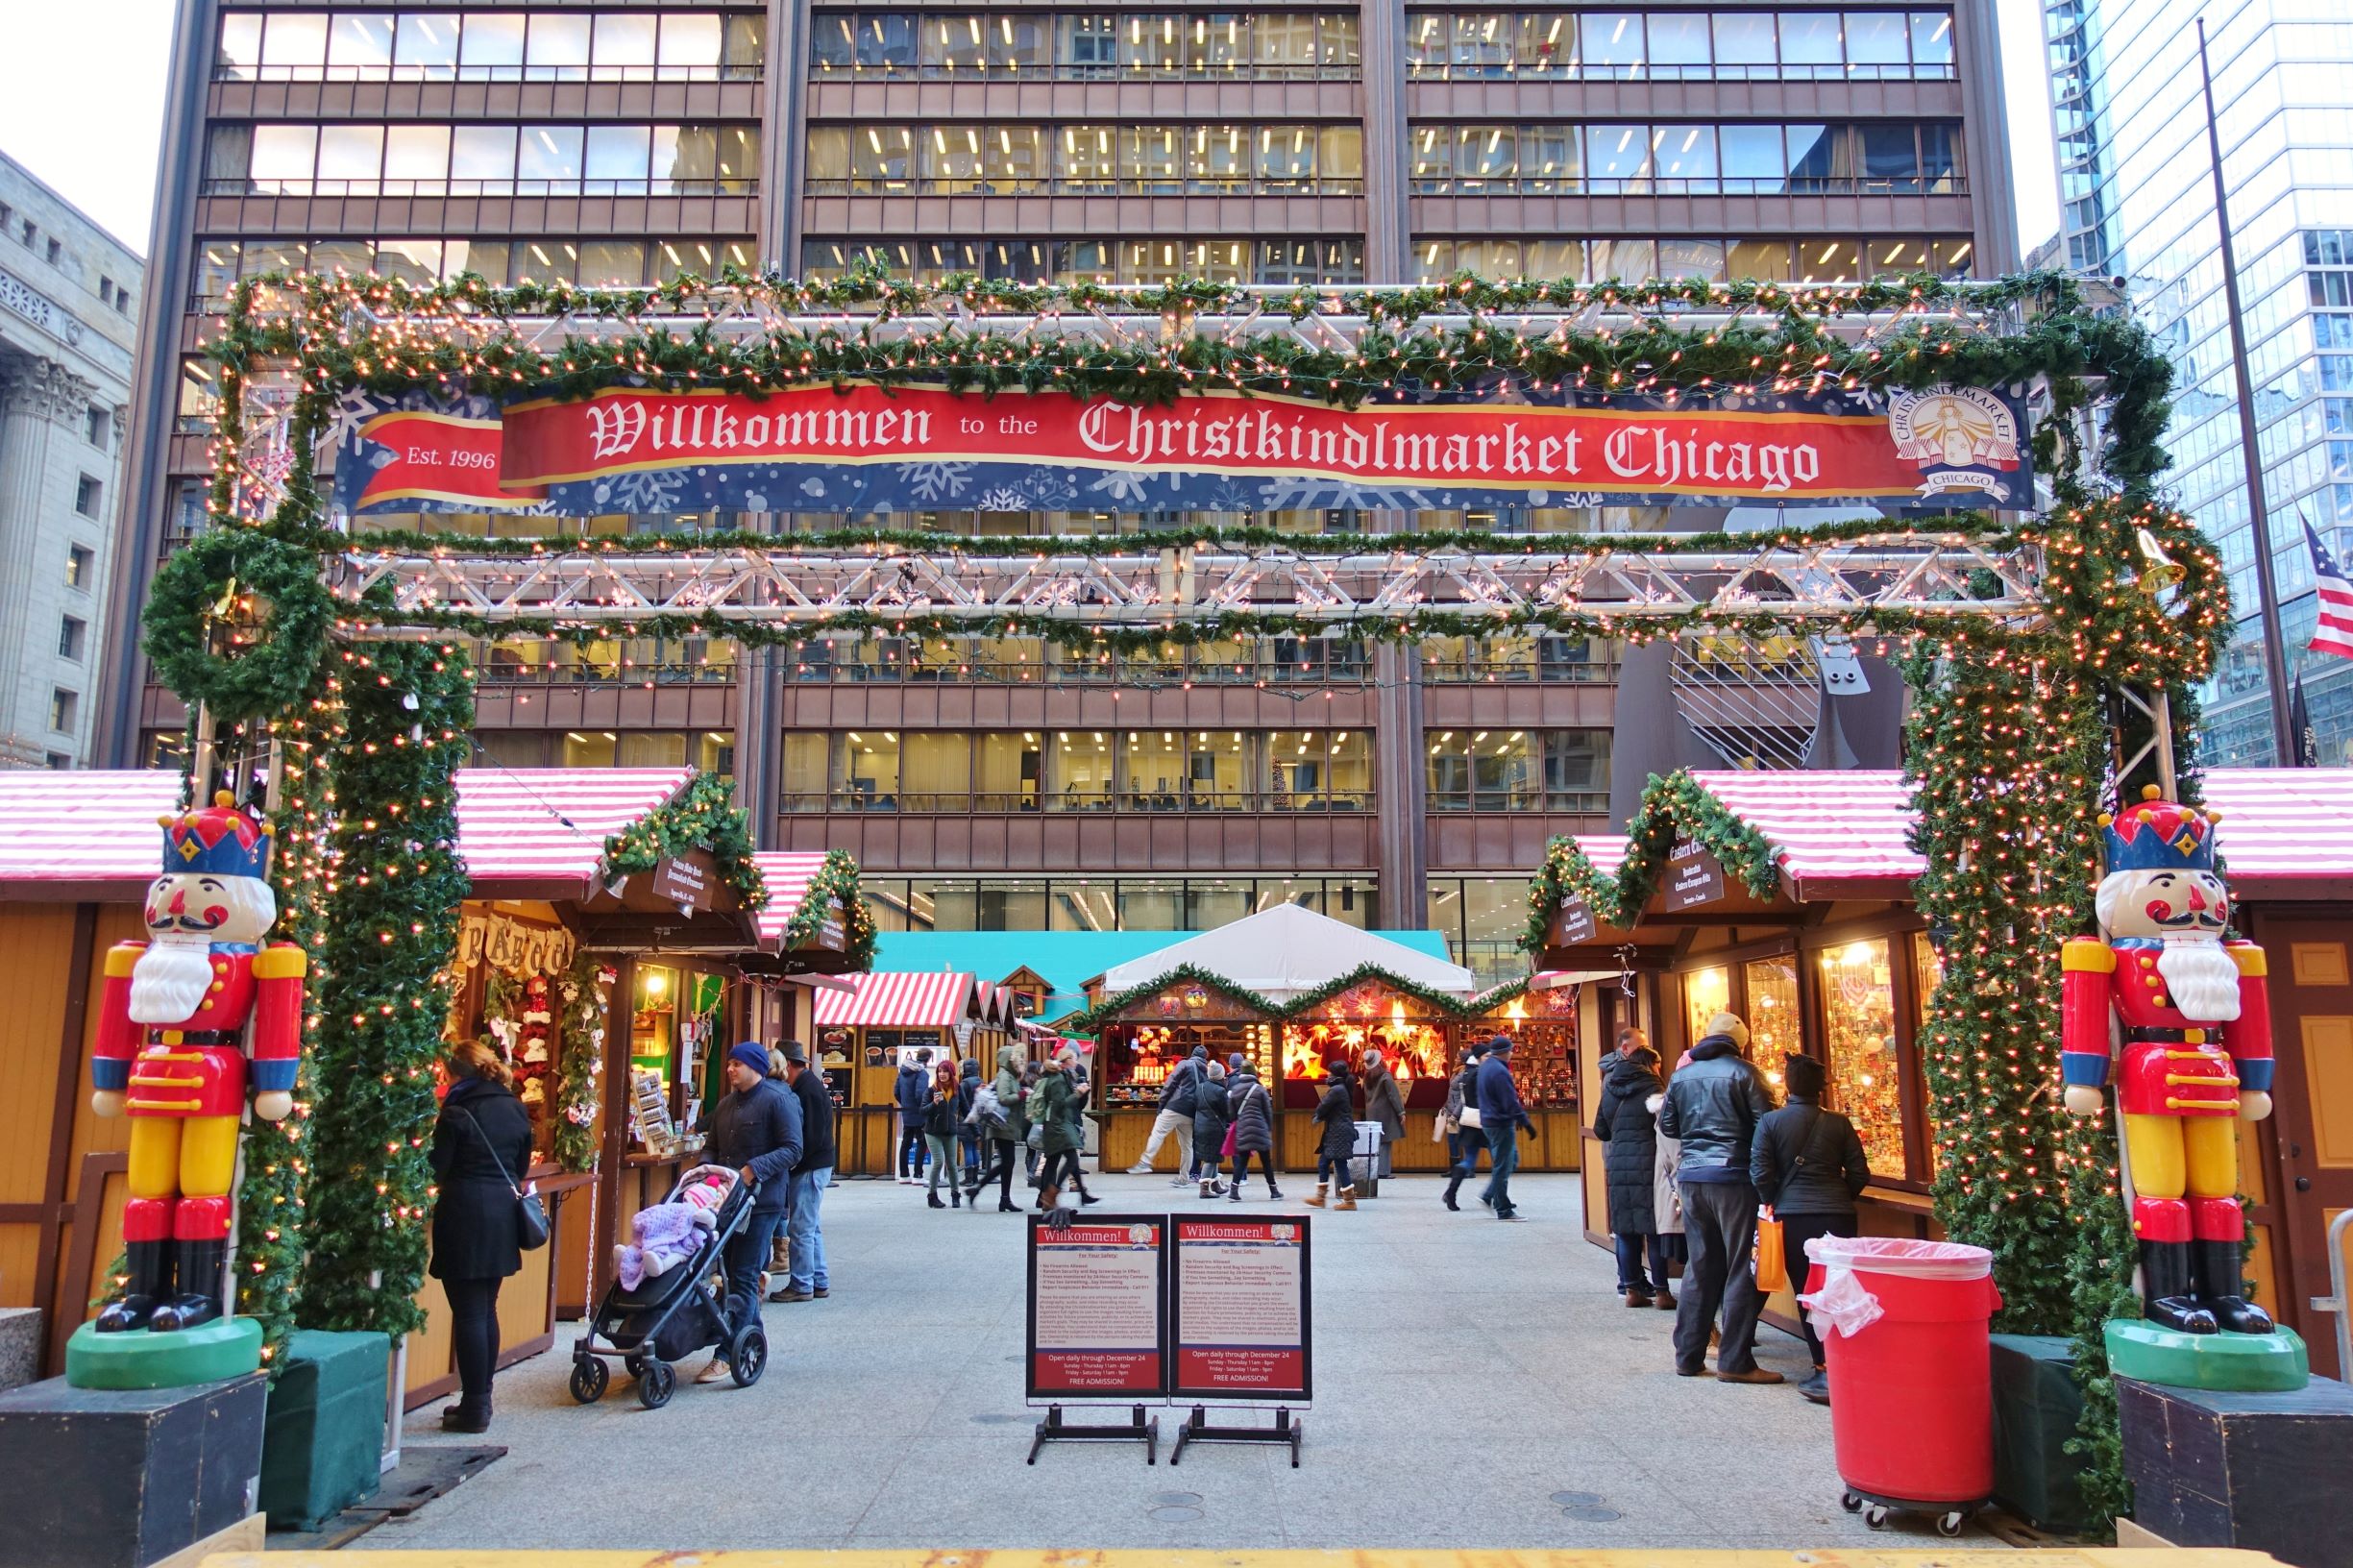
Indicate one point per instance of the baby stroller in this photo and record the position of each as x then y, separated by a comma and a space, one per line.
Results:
670, 1315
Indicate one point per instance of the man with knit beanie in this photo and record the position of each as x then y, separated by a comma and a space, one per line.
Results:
755, 1131
1713, 1106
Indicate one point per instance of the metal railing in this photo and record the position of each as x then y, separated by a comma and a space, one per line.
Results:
1072, 802
1088, 185
2336, 1303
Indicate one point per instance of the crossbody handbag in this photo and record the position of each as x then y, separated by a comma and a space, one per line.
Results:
531, 1218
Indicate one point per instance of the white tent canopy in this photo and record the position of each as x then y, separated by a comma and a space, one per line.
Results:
1288, 951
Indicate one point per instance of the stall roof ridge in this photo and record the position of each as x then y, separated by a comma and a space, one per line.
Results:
1286, 951
897, 999
1850, 824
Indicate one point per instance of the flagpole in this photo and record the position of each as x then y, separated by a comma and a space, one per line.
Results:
2267, 593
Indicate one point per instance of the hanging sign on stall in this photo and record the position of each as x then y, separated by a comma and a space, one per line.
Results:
513, 946
1573, 922
1239, 1324
1097, 1294
685, 883
1694, 877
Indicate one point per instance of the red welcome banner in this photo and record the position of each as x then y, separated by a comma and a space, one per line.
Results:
913, 448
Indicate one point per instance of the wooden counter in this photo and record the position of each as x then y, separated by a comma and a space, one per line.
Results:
865, 1142
528, 1306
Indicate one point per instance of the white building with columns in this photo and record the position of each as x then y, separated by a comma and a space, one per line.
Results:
71, 294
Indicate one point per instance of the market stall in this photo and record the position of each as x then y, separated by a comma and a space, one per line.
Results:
1292, 990
865, 1029
1545, 1022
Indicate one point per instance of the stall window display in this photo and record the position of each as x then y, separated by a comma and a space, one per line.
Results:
1361, 1019
1858, 1006
1707, 993
1137, 1059
1775, 1023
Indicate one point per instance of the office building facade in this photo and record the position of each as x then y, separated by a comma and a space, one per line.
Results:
1005, 785
70, 298
2137, 186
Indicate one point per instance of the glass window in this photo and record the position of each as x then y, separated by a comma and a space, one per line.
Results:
938, 773
216, 268
1155, 771
594, 748
296, 41
1018, 44
549, 159
953, 43
491, 45
804, 771
613, 262
1150, 158
692, 45
825, 151
866, 771
1008, 772
1891, 258
745, 48
1618, 159
1087, 45
1283, 45
1341, 38
1775, 1030
1482, 44
1891, 155
1754, 160
1829, 260
1557, 258
1953, 258
1429, 39
359, 43
1548, 159
351, 158
411, 260
625, 44
1877, 38
1082, 772
1818, 154
1707, 993
1547, 44
1214, 43
1940, 158
1493, 259
1745, 38
351, 256
1148, 903
426, 45
558, 47
1678, 42
1577, 770
284, 158
1692, 259
615, 160
1762, 259
1013, 158
656, 751
238, 55
879, 156
1433, 163
1932, 38
1340, 156
1217, 156
1286, 155
1625, 258
1685, 157
1486, 158
481, 155
416, 155
951, 158
1611, 42
1858, 1011
1212, 902
1810, 39
1086, 156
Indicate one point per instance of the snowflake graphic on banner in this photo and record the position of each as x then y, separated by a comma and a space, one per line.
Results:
646, 491
937, 481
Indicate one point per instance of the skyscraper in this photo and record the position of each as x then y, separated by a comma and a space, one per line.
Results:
1001, 785
2138, 197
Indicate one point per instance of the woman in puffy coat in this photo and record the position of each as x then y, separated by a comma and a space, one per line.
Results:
1336, 1112
1623, 1120
1210, 1119
1252, 1111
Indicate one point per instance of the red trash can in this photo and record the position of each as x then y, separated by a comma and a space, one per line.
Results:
1904, 1328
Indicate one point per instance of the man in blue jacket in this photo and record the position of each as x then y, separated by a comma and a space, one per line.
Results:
1501, 1116
755, 1128
1713, 1105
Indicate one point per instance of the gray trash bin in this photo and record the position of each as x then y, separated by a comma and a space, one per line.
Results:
1364, 1163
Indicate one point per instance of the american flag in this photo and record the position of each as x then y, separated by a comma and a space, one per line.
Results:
2333, 632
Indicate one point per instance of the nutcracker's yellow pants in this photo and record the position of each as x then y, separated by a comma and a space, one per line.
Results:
187, 1156
2175, 1157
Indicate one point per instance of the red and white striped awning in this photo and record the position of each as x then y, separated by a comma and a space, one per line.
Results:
2287, 832
1827, 827
788, 874
1606, 852
540, 832
83, 836
931, 1000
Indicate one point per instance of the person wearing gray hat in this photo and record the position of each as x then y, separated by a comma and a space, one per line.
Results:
1501, 1115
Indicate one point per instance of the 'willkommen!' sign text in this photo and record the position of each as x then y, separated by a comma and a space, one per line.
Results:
816, 450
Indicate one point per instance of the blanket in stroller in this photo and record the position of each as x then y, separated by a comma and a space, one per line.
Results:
672, 1231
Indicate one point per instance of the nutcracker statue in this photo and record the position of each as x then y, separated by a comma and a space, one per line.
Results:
179, 1016
2193, 1012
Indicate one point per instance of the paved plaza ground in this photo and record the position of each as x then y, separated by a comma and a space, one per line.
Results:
1466, 1372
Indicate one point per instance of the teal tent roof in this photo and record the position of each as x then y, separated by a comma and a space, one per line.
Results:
1068, 959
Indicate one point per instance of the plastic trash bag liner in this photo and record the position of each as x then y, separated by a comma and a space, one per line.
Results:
1845, 1304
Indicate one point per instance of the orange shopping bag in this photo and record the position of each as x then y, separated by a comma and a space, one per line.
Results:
1771, 1260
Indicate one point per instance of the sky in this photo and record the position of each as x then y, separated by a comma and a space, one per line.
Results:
82, 107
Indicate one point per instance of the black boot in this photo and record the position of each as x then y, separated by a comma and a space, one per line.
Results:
200, 1277
1452, 1187
2218, 1283
149, 1264
2164, 1278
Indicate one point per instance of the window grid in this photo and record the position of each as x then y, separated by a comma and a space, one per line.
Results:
618, 261
1086, 159
1681, 45
451, 46
1280, 261
1093, 46
1080, 903
1817, 259
1876, 158
280, 158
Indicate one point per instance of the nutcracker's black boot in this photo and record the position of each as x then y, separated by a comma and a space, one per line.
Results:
149, 1264
2218, 1283
2164, 1278
200, 1280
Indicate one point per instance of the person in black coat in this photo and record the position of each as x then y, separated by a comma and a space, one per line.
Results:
806, 1279
1210, 1117
1623, 1120
1337, 1111
755, 1131
1808, 1167
481, 1153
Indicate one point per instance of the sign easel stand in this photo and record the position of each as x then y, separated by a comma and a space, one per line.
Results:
1138, 1429
1196, 1429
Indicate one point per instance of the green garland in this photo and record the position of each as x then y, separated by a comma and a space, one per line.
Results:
579, 1061
836, 880
238, 619
702, 816
1673, 808
392, 923
1452, 1009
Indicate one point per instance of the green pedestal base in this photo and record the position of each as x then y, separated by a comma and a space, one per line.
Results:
2272, 1362
229, 1348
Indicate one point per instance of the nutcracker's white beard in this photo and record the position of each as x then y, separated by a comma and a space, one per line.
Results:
2200, 975
169, 982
